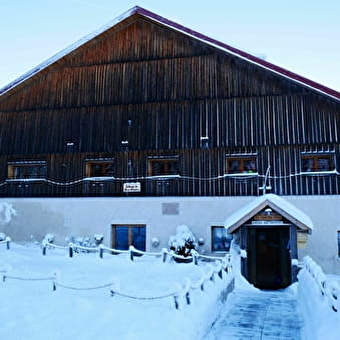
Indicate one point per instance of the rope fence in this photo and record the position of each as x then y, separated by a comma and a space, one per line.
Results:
165, 254
181, 294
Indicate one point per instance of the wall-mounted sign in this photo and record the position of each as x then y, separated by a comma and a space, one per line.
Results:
268, 217
132, 187
302, 239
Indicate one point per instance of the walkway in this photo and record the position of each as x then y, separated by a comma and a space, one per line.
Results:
255, 314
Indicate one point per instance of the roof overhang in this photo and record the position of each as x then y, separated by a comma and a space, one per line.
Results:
276, 203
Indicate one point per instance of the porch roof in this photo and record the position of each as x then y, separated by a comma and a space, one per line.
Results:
278, 204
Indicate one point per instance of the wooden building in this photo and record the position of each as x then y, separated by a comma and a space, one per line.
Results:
147, 107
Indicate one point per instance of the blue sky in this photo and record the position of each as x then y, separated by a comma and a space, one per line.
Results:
302, 36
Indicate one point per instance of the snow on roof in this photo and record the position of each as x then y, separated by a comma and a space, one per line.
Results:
194, 34
277, 203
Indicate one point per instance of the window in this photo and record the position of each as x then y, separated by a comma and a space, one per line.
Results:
241, 165
124, 236
27, 170
99, 168
220, 239
317, 162
338, 243
163, 167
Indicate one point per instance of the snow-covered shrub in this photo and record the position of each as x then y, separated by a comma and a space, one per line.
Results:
85, 241
6, 213
183, 243
98, 238
2, 237
49, 238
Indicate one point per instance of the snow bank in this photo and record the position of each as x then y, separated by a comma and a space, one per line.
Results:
318, 300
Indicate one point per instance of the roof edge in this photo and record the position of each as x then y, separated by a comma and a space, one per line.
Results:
275, 202
48, 62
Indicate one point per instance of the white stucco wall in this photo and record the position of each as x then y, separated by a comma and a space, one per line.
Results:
64, 217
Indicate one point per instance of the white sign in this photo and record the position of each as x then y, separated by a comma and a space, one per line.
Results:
132, 187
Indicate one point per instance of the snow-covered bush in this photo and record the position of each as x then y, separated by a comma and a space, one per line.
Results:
2, 237
85, 241
183, 243
49, 238
7, 212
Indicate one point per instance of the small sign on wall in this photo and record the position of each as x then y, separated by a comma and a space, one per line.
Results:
302, 239
132, 187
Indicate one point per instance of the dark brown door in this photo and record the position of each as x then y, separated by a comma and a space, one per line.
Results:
269, 260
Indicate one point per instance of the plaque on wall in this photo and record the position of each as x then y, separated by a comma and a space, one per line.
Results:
132, 187
302, 240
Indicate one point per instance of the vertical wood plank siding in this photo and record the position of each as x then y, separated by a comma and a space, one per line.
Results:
162, 91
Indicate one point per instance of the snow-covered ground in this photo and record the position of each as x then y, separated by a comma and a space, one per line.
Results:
31, 310
83, 307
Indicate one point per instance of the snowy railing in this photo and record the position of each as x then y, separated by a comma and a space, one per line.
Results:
181, 293
327, 288
132, 251
6, 241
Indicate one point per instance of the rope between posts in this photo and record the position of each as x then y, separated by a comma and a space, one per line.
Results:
27, 278
83, 288
145, 297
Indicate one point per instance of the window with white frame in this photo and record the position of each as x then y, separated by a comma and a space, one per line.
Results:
220, 239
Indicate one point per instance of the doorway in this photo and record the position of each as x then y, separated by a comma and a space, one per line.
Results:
269, 257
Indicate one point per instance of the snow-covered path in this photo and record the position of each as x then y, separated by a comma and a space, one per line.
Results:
255, 314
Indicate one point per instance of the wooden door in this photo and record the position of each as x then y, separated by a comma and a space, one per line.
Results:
269, 258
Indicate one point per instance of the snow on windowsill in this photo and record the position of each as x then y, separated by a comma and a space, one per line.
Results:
242, 174
164, 177
318, 173
26, 180
98, 179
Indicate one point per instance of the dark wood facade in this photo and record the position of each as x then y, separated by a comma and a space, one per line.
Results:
142, 91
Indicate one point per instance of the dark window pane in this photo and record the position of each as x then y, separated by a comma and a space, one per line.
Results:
307, 164
138, 238
338, 243
234, 166
250, 166
122, 238
221, 239
324, 164
173, 168
100, 169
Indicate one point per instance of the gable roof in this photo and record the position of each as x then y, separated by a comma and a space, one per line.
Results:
277, 203
175, 26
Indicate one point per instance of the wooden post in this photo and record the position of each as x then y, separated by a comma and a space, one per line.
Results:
176, 302
164, 255
70, 250
187, 297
